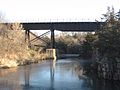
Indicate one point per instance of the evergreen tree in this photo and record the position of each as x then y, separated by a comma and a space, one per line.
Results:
88, 46
108, 42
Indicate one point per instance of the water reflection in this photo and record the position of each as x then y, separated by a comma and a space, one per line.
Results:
27, 70
79, 71
9, 81
52, 73
65, 74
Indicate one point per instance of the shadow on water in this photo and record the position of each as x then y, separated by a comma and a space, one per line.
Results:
64, 74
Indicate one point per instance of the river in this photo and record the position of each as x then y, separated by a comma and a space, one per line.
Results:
63, 74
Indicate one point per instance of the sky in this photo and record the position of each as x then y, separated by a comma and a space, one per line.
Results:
55, 10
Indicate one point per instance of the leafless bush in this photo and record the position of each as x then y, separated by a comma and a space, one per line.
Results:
13, 49
12, 44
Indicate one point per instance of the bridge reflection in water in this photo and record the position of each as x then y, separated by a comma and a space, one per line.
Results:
64, 74
52, 73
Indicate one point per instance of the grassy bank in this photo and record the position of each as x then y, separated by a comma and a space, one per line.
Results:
13, 49
14, 62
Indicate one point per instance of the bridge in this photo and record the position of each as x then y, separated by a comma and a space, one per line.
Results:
61, 26
64, 26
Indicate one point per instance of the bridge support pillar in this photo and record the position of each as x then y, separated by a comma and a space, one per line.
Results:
52, 39
27, 37
52, 53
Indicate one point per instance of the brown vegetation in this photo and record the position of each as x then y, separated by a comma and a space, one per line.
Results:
13, 49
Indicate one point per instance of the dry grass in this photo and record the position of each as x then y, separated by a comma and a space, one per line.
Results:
13, 49
36, 56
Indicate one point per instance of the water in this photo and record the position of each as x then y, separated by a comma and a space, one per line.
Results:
64, 74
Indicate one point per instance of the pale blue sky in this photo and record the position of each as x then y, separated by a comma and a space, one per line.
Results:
56, 10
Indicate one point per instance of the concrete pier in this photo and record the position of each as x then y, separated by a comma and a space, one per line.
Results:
52, 54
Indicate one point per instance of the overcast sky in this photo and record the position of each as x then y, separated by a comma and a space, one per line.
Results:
56, 10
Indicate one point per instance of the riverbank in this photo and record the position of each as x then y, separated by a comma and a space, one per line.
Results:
9, 63
63, 56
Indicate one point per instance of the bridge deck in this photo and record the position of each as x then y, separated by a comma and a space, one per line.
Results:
64, 26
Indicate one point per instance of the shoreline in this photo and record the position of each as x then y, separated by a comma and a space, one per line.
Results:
22, 63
